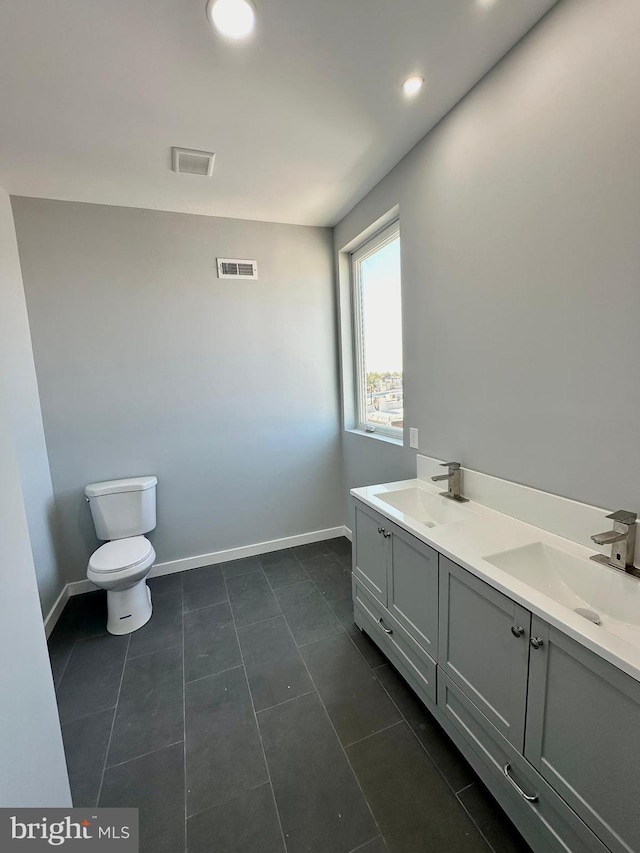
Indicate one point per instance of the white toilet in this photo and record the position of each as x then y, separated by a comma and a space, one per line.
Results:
122, 511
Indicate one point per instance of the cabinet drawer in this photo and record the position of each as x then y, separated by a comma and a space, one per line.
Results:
554, 823
401, 649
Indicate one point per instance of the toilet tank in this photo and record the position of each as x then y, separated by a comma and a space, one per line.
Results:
122, 508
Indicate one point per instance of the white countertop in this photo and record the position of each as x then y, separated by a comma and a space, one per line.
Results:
488, 532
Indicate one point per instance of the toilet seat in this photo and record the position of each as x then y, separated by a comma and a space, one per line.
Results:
121, 554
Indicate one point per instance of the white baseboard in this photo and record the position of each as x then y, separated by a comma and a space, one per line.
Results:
186, 563
54, 614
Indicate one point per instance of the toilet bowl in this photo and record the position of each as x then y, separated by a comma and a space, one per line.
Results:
122, 511
121, 567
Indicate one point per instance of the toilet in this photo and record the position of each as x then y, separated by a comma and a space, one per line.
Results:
122, 511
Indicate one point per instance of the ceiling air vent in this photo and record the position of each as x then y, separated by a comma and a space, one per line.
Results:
234, 268
192, 162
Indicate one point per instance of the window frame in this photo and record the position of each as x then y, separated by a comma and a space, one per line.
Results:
369, 247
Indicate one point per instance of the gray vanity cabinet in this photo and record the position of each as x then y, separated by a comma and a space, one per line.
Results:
371, 551
484, 648
583, 720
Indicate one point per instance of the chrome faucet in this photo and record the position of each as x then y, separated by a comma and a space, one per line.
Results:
454, 479
622, 540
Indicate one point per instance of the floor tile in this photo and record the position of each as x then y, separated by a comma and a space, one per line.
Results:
333, 581
413, 805
85, 747
150, 709
274, 667
166, 585
491, 820
164, 629
449, 760
276, 556
320, 804
92, 614
307, 613
285, 571
365, 645
155, 785
341, 547
251, 599
353, 696
92, 678
224, 755
311, 549
203, 587
246, 824
61, 642
210, 642
241, 567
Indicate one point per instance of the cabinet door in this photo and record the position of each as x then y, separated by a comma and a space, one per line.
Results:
583, 725
413, 589
484, 648
371, 551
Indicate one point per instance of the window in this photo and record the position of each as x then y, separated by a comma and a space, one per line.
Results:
377, 312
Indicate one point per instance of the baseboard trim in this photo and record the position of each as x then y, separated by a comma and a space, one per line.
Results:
187, 563
54, 614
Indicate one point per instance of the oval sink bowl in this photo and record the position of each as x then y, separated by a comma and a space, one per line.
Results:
425, 507
579, 584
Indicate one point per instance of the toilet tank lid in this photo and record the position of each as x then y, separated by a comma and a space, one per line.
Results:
112, 487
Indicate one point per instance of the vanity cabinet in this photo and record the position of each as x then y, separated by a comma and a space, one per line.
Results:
401, 572
552, 728
484, 647
583, 737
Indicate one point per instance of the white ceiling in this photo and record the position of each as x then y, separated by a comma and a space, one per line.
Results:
304, 119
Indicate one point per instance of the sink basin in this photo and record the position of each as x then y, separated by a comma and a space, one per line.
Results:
607, 594
423, 506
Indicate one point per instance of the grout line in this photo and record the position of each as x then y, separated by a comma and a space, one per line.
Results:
366, 844
204, 606
470, 785
373, 734
86, 716
184, 710
373, 817
113, 722
230, 799
154, 652
285, 701
480, 832
260, 621
255, 719
211, 674
142, 755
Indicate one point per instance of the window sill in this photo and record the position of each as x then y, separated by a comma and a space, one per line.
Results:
376, 436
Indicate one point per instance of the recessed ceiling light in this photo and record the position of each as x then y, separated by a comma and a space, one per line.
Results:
412, 85
234, 19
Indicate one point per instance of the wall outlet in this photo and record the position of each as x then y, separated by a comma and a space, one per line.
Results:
413, 438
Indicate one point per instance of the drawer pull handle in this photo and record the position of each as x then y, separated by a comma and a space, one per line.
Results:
384, 628
537, 642
517, 630
524, 796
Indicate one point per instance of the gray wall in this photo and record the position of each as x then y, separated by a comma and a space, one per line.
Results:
32, 765
149, 364
521, 267
16, 360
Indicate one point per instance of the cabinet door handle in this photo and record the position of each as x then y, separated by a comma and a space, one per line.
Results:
517, 630
537, 642
533, 799
381, 530
386, 534
384, 628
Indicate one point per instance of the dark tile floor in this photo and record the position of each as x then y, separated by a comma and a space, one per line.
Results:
251, 716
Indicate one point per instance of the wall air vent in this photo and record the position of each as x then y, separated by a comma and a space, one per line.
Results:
185, 160
234, 268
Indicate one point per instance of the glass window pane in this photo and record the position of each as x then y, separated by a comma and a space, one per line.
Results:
382, 336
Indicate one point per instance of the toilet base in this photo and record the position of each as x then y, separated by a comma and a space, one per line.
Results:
128, 609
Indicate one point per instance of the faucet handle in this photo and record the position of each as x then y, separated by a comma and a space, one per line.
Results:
452, 466
624, 516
